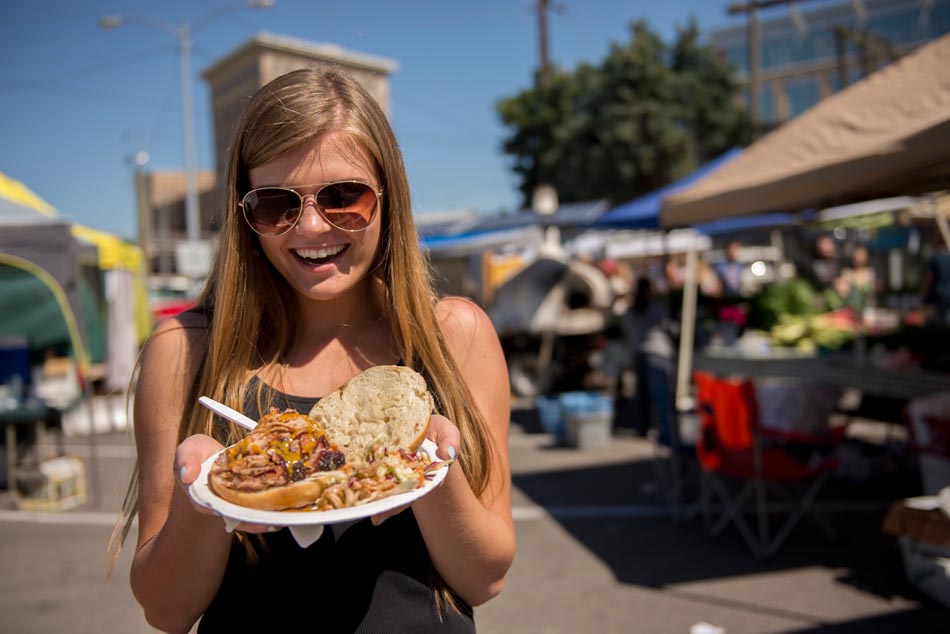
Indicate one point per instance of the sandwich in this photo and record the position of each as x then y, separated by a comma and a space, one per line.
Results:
283, 463
358, 444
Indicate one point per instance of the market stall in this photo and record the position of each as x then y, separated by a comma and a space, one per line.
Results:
886, 136
75, 314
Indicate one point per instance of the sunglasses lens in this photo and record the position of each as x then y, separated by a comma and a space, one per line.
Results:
348, 206
271, 211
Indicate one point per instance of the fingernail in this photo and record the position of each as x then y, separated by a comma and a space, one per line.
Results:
377, 521
451, 453
181, 474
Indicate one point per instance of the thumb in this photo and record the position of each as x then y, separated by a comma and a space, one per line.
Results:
190, 454
446, 436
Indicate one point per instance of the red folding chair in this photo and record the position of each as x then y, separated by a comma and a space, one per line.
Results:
746, 467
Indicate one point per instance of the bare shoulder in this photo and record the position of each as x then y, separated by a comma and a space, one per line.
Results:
187, 331
469, 333
173, 353
462, 318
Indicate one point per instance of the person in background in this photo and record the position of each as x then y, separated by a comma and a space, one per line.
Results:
645, 328
729, 308
318, 276
824, 266
857, 284
675, 271
730, 271
935, 285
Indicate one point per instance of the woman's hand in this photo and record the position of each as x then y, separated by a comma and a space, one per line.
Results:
189, 456
448, 440
446, 436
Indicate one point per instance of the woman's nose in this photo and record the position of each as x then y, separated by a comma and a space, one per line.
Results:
311, 219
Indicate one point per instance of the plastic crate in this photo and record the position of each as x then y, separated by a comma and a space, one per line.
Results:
588, 417
550, 416
589, 431
62, 486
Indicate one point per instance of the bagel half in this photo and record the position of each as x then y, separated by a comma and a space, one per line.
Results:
386, 404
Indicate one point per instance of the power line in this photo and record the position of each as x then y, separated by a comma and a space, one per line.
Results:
95, 96
14, 85
166, 106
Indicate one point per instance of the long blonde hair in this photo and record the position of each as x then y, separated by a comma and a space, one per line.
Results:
244, 292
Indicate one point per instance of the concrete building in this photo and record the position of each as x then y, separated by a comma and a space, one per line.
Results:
232, 80
806, 55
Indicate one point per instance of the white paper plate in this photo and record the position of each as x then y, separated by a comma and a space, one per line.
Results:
202, 494
923, 503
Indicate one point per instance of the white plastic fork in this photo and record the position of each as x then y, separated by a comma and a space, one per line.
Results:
224, 411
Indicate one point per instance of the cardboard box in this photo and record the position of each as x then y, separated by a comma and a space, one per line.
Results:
62, 486
924, 538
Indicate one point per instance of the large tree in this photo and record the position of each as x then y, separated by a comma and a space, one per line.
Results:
647, 114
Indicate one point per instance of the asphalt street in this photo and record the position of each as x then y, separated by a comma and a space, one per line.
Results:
597, 551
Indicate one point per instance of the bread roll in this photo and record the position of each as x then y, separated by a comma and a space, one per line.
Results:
387, 402
279, 498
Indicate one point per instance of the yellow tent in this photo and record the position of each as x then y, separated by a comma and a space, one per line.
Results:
114, 253
15, 191
111, 251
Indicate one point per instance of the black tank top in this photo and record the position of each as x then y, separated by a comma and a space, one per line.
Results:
356, 578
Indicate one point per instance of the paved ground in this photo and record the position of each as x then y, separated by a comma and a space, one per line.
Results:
596, 552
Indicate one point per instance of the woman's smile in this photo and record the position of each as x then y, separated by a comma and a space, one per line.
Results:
320, 256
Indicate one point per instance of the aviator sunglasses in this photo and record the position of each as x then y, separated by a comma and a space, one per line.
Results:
347, 205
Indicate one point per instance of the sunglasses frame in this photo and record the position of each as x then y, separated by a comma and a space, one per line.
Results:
303, 201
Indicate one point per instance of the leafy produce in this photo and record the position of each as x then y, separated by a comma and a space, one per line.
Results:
832, 330
796, 315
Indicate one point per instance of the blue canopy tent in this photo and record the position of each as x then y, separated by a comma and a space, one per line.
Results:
524, 228
745, 223
644, 212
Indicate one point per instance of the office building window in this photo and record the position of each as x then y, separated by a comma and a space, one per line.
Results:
802, 93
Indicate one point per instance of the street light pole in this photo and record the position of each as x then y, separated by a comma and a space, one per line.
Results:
192, 210
182, 34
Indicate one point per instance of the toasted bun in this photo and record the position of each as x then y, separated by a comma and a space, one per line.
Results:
386, 401
240, 473
278, 498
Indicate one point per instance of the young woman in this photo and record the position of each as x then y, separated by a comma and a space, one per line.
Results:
318, 276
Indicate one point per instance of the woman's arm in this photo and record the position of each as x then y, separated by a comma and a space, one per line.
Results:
181, 554
471, 540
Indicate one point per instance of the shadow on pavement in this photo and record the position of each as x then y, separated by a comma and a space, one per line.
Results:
627, 529
919, 621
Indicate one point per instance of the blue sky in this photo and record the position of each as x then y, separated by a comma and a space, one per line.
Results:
77, 102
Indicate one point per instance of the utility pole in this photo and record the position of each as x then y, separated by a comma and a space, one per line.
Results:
841, 57
871, 49
754, 44
183, 34
542, 75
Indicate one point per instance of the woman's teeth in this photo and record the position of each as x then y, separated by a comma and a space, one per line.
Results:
319, 254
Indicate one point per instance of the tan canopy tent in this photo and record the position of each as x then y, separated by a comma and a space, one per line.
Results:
886, 135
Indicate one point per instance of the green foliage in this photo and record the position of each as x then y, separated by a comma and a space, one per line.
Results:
648, 114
